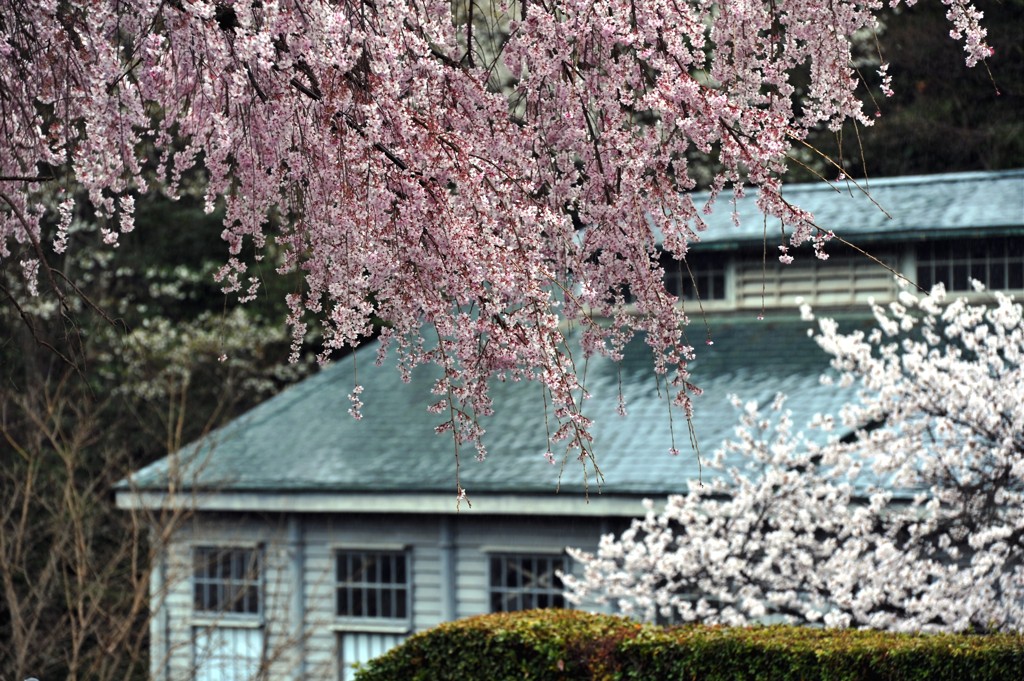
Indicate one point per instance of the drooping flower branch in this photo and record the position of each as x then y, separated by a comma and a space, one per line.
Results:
431, 163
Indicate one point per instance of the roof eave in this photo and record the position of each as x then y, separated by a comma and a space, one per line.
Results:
875, 237
436, 503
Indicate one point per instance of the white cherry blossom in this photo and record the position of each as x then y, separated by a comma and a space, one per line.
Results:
916, 523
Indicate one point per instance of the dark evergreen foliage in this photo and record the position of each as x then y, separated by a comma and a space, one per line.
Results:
943, 116
564, 645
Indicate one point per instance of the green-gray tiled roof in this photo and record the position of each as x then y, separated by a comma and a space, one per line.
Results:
889, 209
303, 440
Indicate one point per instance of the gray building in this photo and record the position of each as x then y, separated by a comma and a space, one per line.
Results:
296, 541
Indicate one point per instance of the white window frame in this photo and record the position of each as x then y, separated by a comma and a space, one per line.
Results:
229, 584
374, 588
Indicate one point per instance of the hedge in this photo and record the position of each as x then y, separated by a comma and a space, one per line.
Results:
568, 645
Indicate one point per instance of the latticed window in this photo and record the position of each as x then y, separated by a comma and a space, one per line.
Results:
998, 263
373, 584
226, 580
705, 277
524, 581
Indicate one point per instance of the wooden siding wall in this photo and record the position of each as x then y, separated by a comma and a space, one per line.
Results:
842, 280
312, 653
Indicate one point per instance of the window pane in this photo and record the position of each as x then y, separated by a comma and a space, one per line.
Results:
402, 609
358, 569
924, 277
673, 280
356, 648
251, 598
717, 291
979, 271
514, 574
997, 274
223, 569
343, 606
370, 600
959, 282
497, 572
1015, 276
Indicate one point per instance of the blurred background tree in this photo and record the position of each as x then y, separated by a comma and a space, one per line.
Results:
943, 116
139, 356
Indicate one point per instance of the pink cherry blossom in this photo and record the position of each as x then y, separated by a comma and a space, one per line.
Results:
429, 163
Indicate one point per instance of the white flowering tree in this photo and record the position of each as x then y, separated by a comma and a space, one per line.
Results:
429, 163
912, 521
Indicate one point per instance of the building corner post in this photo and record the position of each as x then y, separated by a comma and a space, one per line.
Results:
296, 563
448, 574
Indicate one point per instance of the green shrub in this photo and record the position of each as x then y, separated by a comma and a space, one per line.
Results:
541, 645
783, 653
567, 645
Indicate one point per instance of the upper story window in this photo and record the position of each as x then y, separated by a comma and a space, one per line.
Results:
373, 585
996, 262
226, 580
748, 278
523, 581
704, 278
